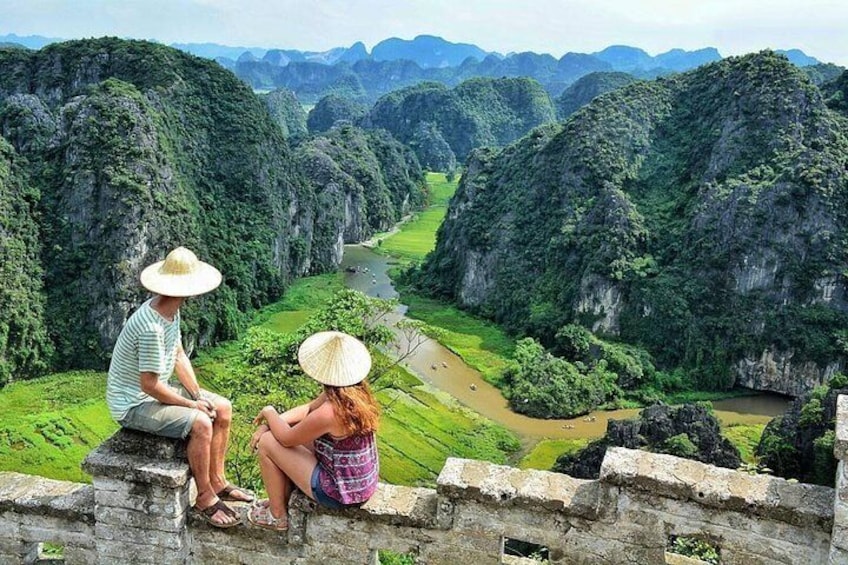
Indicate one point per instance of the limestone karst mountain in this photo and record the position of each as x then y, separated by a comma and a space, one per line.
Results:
702, 217
121, 150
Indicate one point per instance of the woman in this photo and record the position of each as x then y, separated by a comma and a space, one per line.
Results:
327, 448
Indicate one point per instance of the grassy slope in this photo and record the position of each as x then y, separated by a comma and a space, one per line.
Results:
545, 453
48, 425
420, 428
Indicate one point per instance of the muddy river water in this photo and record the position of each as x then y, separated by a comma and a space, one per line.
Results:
443, 369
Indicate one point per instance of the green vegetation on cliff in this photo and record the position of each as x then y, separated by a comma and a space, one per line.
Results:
479, 112
702, 218
25, 349
287, 112
587, 88
334, 109
799, 444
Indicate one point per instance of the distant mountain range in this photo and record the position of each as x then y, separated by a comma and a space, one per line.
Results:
395, 63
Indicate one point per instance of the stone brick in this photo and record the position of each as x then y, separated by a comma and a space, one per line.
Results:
123, 552
135, 519
140, 536
840, 445
142, 497
726, 489
487, 482
80, 556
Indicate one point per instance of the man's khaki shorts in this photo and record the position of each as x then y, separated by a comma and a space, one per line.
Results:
165, 419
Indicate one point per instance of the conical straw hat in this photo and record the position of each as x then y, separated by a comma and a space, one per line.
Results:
334, 358
180, 274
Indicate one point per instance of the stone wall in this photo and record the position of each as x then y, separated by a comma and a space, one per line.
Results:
137, 511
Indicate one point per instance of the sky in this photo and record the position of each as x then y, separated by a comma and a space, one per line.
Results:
818, 27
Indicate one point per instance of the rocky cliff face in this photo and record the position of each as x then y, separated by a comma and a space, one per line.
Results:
25, 349
702, 217
137, 148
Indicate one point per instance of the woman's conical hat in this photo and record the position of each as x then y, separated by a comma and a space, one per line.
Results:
334, 358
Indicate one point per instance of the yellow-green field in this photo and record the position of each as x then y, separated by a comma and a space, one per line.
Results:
417, 237
745, 438
48, 425
545, 453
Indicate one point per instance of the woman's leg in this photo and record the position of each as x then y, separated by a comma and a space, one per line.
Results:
282, 466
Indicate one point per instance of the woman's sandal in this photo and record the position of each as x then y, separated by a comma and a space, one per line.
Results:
226, 494
210, 511
260, 516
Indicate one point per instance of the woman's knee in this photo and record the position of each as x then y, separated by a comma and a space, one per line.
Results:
267, 442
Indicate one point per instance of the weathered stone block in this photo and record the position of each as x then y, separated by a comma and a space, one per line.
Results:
29, 494
486, 482
225, 555
143, 497
330, 552
840, 445
838, 557
135, 519
123, 552
134, 468
80, 556
761, 495
444, 554
140, 536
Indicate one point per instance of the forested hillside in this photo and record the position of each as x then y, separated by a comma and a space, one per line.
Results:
702, 217
586, 89
442, 124
121, 151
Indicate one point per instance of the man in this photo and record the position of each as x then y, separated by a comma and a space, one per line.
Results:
147, 353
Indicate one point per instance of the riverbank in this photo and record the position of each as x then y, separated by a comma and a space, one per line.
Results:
485, 348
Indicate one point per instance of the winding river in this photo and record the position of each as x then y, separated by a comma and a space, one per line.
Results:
440, 367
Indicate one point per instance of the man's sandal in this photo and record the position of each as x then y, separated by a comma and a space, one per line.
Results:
210, 511
260, 516
226, 494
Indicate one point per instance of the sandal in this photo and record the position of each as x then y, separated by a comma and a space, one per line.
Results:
261, 517
226, 494
210, 511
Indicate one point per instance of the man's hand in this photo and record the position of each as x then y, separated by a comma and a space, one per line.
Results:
206, 407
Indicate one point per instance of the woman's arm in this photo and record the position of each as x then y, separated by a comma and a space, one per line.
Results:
298, 413
315, 424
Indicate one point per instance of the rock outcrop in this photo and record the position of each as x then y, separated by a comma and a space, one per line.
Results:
689, 431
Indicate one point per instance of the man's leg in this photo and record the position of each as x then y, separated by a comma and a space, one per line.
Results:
221, 426
198, 451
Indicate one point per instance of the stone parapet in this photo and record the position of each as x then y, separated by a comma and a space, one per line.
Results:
716, 487
137, 511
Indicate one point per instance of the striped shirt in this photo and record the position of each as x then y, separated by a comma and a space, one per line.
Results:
348, 468
148, 343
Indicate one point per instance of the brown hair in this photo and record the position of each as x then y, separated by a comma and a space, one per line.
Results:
355, 407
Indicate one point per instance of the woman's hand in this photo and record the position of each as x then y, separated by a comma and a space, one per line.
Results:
257, 435
265, 415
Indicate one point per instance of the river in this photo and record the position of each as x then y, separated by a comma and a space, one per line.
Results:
440, 367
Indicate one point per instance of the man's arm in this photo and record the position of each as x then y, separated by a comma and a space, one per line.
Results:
150, 384
185, 373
